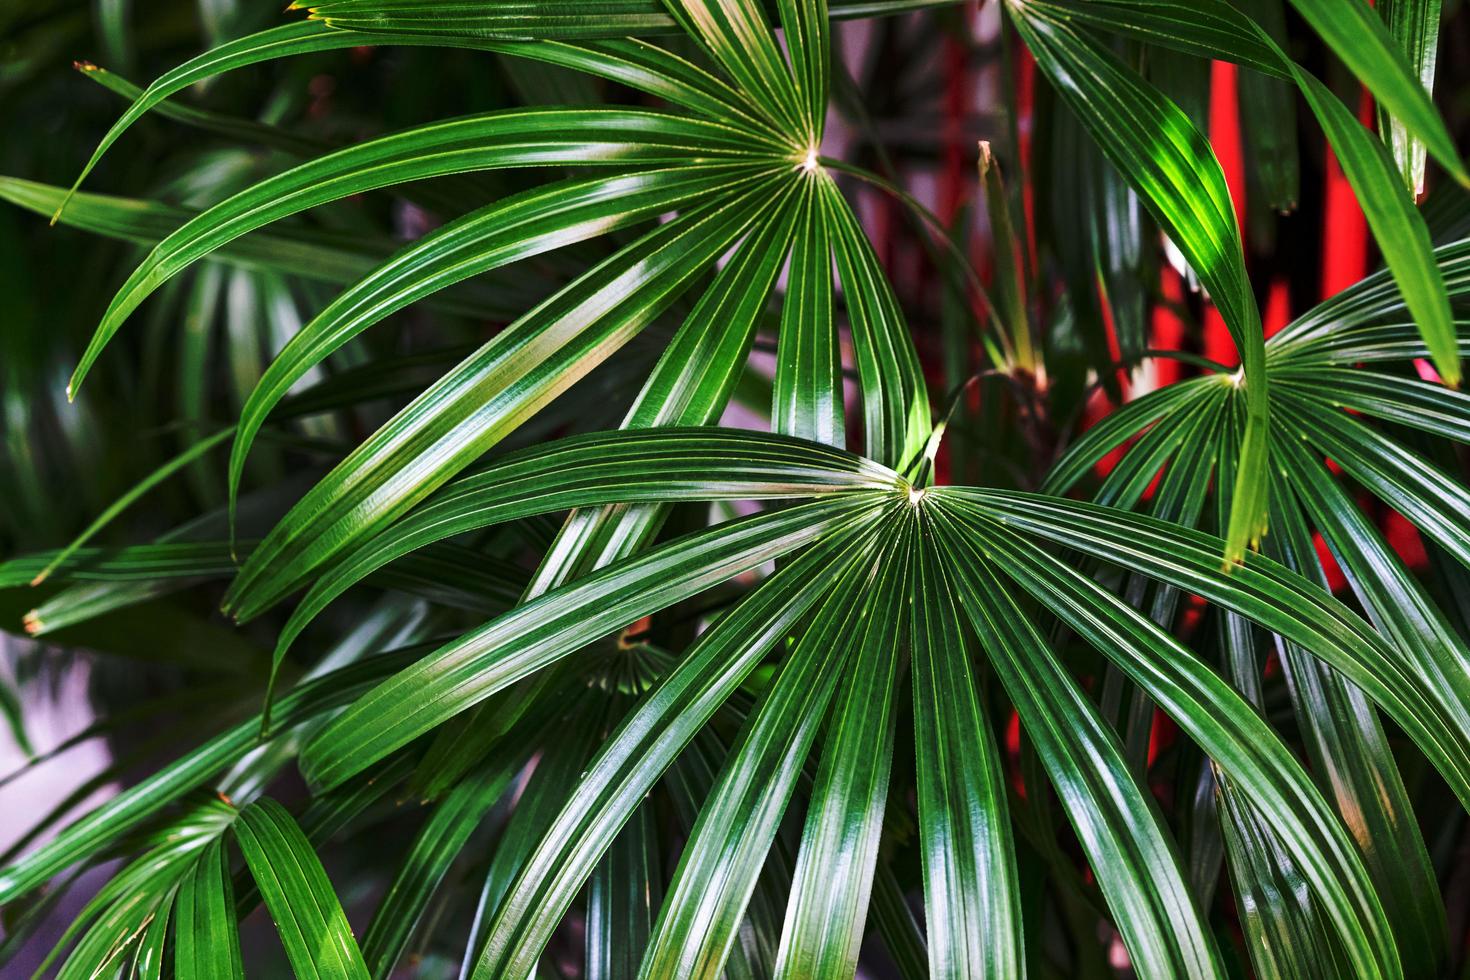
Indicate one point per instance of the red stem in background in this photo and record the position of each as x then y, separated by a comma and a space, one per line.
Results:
1225, 139
1344, 229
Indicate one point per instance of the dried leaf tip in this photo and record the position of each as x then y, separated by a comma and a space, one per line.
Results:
32, 623
987, 158
82, 64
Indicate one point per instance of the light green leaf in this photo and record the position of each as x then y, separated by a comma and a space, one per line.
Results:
1356, 34
1172, 167
206, 939
690, 385
308, 917
807, 399
1396, 223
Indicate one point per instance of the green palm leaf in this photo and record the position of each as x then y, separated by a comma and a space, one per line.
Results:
1233, 735
1118, 826
1216, 30
647, 742
581, 681
971, 895
522, 368
833, 879
310, 921
1171, 166
1290, 606
207, 944
718, 869
1414, 27
486, 239
521, 138
490, 659
439, 842
557, 19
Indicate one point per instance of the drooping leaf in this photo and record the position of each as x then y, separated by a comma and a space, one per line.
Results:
1172, 167
1414, 27
1231, 733
514, 138
207, 940
556, 19
1270, 595
308, 917
1358, 36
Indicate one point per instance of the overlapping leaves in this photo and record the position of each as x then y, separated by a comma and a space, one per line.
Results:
880, 584
738, 165
869, 526
1373, 424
